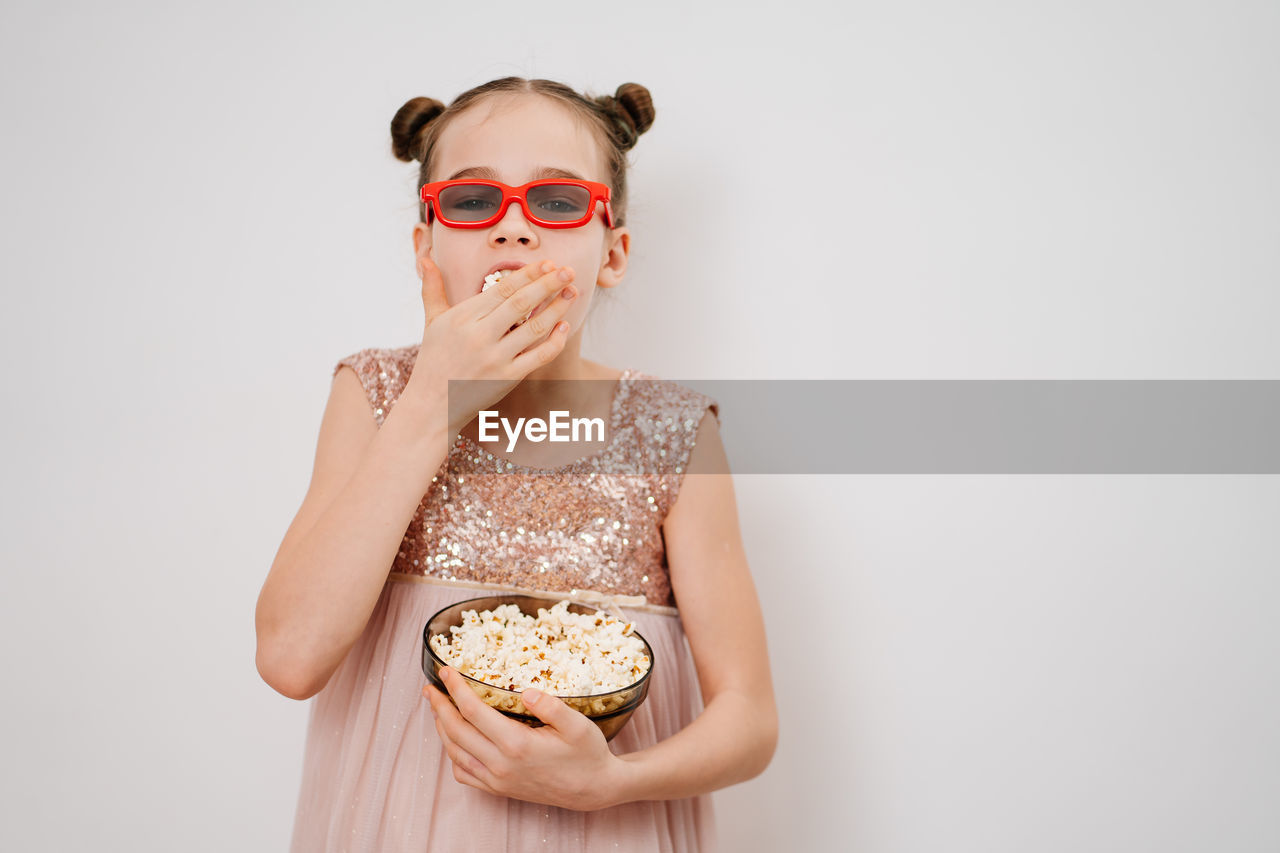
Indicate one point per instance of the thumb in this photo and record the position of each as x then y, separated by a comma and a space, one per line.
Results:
553, 712
434, 302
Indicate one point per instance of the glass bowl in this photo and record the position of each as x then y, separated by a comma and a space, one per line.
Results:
609, 711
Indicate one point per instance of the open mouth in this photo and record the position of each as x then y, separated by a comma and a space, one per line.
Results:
493, 278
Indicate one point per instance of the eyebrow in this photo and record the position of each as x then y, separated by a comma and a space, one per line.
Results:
490, 175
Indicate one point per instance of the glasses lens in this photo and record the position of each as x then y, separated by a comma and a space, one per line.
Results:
560, 202
469, 202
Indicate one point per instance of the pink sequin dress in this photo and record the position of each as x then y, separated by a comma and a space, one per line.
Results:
375, 777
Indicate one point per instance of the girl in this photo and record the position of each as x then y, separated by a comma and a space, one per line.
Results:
391, 764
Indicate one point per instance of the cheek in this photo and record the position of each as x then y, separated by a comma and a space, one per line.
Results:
456, 273
577, 313
455, 291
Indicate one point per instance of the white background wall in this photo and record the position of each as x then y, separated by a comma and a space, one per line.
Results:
201, 215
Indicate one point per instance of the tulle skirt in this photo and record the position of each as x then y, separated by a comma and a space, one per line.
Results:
376, 777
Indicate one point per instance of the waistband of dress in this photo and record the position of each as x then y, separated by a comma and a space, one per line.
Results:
588, 597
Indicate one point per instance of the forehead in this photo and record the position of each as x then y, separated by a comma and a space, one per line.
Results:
518, 137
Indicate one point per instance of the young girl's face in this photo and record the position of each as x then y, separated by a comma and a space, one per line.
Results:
517, 139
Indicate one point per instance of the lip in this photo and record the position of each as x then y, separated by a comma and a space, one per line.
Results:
502, 265
507, 265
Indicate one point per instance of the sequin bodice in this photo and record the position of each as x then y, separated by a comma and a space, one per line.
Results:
593, 524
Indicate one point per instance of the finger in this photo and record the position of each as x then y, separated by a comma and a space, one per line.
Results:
544, 352
435, 696
564, 276
461, 775
467, 769
543, 322
527, 273
458, 732
467, 779
434, 301
556, 714
491, 300
513, 305
459, 729
501, 731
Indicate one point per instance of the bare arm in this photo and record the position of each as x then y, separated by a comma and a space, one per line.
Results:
733, 739
333, 562
368, 482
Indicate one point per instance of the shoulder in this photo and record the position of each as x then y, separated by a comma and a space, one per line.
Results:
669, 421
382, 373
685, 424
375, 360
680, 408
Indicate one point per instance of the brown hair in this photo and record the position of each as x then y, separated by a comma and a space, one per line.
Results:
617, 120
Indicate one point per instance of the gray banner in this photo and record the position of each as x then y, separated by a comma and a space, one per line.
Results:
990, 426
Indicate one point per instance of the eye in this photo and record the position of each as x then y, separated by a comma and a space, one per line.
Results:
560, 202
560, 205
471, 202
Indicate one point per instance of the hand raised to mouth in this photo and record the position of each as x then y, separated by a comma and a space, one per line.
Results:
480, 338
493, 278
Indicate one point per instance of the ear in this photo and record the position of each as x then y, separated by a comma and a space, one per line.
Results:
616, 248
422, 242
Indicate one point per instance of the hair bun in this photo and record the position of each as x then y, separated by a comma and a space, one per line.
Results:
632, 112
408, 124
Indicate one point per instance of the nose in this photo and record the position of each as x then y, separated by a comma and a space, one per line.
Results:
513, 228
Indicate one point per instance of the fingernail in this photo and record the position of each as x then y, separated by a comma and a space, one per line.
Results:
531, 696
568, 293
547, 266
565, 274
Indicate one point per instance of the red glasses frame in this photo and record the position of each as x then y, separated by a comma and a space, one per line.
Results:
430, 195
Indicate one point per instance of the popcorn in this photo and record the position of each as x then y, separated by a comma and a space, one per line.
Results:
559, 652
